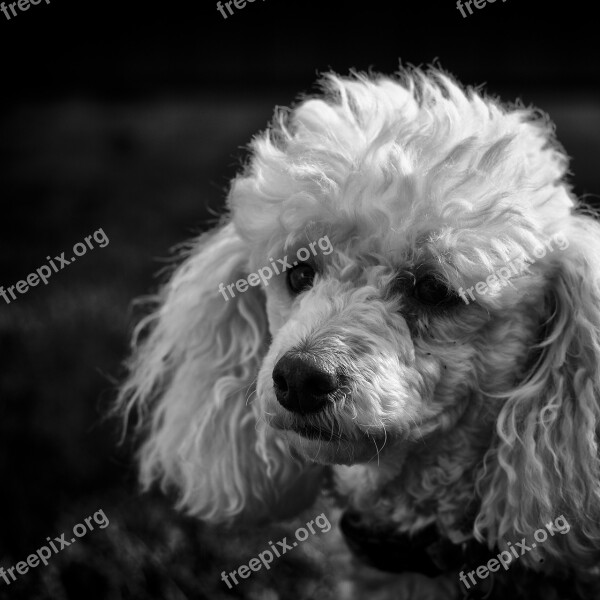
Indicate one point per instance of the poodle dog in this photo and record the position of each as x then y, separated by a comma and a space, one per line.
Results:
447, 425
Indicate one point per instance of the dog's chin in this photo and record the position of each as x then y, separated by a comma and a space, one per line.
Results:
327, 444
329, 451
325, 447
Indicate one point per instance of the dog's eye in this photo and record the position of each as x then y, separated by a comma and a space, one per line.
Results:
430, 290
300, 278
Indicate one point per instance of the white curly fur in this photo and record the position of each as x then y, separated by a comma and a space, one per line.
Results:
495, 402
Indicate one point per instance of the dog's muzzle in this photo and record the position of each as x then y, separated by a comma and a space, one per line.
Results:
304, 384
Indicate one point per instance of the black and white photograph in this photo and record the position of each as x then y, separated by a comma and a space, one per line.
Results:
299, 300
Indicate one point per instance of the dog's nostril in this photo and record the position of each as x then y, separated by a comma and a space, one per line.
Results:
321, 383
302, 383
279, 381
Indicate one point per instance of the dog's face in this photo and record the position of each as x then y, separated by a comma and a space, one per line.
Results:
359, 339
373, 348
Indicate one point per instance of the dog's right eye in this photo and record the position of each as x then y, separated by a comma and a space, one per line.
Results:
431, 291
300, 278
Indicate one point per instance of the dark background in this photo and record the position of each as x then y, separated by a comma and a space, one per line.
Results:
133, 118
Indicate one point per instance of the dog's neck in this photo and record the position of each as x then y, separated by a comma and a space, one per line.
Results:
431, 482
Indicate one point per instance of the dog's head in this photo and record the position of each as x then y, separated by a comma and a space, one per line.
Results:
402, 260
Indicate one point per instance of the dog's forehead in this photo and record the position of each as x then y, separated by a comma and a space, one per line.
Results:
355, 242
404, 217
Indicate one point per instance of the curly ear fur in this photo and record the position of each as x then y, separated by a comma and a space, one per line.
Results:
191, 381
546, 460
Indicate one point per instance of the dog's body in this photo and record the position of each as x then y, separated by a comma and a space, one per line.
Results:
479, 420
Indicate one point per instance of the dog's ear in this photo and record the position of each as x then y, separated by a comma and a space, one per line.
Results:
192, 381
546, 461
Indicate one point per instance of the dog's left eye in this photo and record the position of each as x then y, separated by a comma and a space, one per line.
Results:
430, 290
300, 278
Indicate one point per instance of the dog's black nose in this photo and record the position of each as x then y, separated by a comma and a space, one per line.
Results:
302, 383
